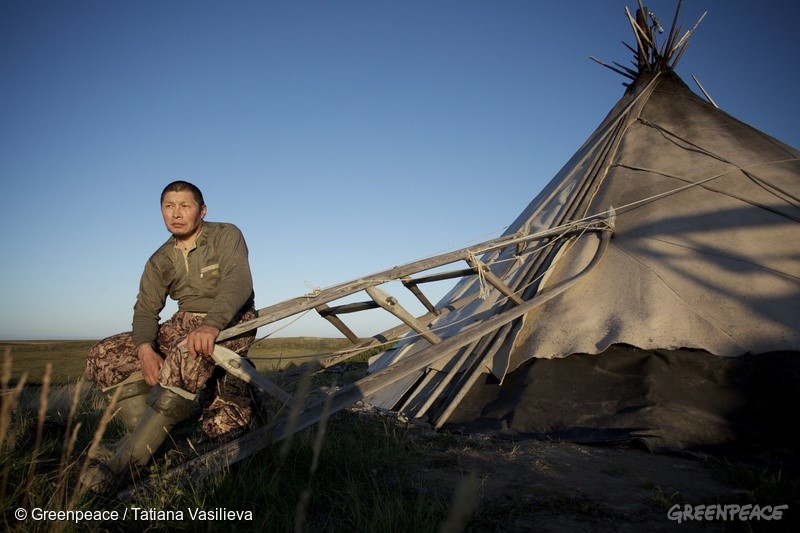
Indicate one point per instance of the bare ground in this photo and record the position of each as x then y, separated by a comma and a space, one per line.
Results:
531, 485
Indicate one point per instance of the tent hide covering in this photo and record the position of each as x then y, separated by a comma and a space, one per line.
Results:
705, 250
684, 334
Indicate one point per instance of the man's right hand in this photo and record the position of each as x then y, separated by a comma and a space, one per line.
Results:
150, 362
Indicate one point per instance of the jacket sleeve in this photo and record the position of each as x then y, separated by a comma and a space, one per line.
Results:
236, 282
149, 303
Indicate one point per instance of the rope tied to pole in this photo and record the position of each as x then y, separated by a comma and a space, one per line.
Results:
483, 288
315, 291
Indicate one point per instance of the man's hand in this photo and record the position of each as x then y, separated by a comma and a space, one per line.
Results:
201, 340
150, 362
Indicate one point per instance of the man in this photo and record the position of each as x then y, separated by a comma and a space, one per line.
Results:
161, 368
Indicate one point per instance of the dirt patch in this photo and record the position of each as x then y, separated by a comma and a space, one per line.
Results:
561, 486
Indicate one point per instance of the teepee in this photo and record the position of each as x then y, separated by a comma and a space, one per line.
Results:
649, 293
668, 289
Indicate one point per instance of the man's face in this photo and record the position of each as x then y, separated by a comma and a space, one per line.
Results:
182, 215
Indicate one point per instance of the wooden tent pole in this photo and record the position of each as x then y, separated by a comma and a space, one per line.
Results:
299, 304
325, 312
390, 304
256, 440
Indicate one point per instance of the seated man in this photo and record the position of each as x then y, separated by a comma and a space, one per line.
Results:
160, 368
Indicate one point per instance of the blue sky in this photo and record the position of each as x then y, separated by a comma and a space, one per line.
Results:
342, 137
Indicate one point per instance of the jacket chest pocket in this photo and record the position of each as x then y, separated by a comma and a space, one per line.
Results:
210, 271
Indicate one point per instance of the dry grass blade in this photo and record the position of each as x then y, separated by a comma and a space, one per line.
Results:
300, 511
9, 398
73, 411
5, 376
58, 499
44, 396
108, 414
70, 438
320, 437
302, 504
301, 396
465, 500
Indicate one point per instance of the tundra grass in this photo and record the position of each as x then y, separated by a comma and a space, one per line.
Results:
68, 357
349, 472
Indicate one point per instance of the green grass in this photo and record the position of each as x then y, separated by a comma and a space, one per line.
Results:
347, 473
759, 484
69, 356
355, 479
274, 354
68, 359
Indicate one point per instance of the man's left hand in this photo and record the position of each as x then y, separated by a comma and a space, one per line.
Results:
201, 340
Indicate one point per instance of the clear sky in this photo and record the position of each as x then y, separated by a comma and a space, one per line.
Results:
342, 137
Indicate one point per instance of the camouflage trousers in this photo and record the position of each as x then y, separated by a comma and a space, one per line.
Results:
112, 360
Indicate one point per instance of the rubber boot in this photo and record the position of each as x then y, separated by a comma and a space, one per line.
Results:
131, 405
165, 409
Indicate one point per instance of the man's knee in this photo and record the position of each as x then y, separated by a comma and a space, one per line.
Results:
111, 360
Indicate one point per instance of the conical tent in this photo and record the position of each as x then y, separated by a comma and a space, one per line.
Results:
650, 293
705, 244
654, 334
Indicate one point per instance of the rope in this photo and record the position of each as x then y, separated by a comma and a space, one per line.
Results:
273, 332
483, 291
315, 291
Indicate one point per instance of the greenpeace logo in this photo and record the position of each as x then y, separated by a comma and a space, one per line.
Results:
732, 512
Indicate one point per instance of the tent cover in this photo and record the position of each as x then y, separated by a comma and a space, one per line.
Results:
686, 332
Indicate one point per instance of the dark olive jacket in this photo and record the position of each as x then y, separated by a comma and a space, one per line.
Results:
213, 277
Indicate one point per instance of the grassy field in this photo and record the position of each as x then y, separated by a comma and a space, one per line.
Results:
358, 470
346, 473
68, 356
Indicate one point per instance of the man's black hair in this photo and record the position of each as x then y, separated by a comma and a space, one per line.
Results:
180, 186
